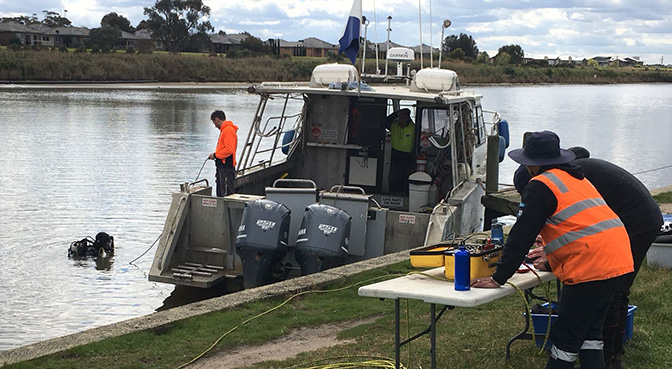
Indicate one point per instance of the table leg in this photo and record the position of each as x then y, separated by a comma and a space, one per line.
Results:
431, 330
397, 344
432, 334
523, 334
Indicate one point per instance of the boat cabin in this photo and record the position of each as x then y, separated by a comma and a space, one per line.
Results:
326, 146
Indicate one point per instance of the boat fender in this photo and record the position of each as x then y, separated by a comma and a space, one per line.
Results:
502, 148
286, 139
503, 129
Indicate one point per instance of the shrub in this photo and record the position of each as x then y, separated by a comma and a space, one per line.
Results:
130, 50
15, 40
145, 46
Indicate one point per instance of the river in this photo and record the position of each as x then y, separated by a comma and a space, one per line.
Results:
75, 162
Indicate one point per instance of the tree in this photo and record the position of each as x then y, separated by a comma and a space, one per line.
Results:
255, 45
104, 38
464, 42
198, 43
22, 19
173, 22
503, 58
515, 52
483, 58
141, 25
53, 19
456, 54
115, 20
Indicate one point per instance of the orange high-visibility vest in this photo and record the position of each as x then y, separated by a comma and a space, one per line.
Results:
585, 239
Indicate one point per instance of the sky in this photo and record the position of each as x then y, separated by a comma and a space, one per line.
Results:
552, 28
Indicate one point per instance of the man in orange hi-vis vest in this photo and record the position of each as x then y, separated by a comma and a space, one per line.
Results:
587, 248
225, 153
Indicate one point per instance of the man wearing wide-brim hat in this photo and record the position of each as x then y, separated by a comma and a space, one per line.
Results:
586, 245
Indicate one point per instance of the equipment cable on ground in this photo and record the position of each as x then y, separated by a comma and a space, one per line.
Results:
276, 308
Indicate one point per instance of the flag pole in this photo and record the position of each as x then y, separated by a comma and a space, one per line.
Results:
359, 80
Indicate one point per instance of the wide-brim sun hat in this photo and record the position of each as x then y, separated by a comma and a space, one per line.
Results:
542, 148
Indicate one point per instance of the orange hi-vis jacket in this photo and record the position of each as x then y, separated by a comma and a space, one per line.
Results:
227, 142
585, 239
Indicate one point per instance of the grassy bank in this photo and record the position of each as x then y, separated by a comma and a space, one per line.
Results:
466, 337
29, 65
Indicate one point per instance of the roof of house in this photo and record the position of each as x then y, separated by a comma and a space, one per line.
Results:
425, 49
382, 46
231, 39
15, 27
63, 31
310, 42
142, 34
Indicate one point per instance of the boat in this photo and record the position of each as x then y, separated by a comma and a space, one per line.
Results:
312, 186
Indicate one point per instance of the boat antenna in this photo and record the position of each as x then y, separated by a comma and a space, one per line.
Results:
431, 37
387, 43
375, 31
446, 24
422, 64
365, 22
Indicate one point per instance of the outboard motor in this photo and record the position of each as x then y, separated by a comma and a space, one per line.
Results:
262, 240
323, 238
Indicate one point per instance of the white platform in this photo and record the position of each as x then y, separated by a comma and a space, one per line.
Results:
420, 287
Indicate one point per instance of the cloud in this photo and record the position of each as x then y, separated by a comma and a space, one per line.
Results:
576, 27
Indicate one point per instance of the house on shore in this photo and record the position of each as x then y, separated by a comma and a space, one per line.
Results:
226, 43
134, 40
10, 30
310, 46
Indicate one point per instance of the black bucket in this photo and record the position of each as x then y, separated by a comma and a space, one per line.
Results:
323, 238
262, 240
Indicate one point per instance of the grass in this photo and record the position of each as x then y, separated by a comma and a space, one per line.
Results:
467, 337
46, 65
663, 198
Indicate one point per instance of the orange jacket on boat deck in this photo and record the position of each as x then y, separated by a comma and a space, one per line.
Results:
227, 142
585, 239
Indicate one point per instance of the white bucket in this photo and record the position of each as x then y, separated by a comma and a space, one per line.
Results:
418, 190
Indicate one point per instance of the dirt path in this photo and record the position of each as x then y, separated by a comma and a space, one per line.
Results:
294, 343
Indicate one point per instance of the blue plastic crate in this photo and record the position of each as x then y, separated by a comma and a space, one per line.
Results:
540, 323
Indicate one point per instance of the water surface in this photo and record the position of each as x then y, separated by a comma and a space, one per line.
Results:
77, 162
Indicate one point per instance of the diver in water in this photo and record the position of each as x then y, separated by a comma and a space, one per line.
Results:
103, 244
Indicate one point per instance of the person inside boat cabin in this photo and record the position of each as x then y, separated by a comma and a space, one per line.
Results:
225, 153
587, 248
402, 137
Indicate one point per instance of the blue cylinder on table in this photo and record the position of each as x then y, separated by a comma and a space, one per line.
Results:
462, 272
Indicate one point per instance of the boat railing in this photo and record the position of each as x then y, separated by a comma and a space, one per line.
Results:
496, 118
267, 137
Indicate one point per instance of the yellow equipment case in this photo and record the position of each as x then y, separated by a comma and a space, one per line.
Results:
483, 258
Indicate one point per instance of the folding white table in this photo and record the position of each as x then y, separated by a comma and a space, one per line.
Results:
434, 291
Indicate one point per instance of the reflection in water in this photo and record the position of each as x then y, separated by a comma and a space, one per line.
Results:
75, 162
101, 262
